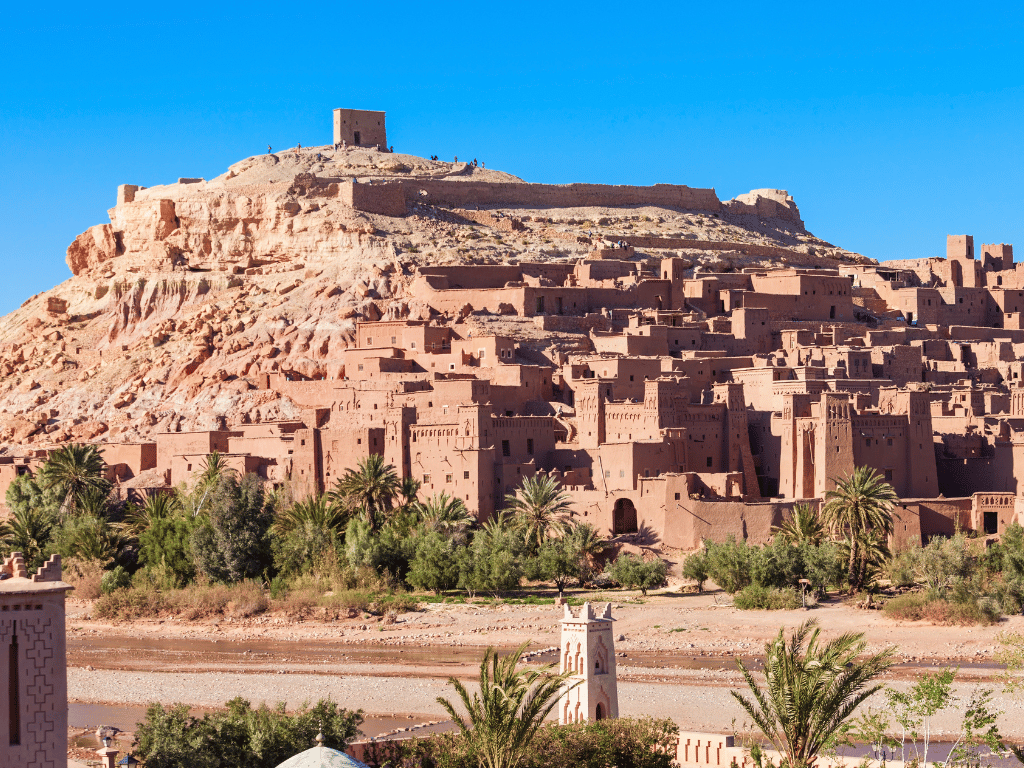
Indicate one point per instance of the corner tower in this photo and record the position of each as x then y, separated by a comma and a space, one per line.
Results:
33, 665
587, 650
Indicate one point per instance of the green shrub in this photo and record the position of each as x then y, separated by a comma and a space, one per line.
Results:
754, 597
264, 737
118, 578
632, 572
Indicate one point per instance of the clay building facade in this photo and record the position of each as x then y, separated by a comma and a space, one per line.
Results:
695, 405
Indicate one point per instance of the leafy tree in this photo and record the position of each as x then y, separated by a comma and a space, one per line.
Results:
231, 543
263, 737
695, 567
811, 689
435, 565
915, 708
539, 506
803, 526
24, 493
860, 508
166, 542
493, 562
71, 471
557, 560
634, 573
371, 488
729, 563
502, 720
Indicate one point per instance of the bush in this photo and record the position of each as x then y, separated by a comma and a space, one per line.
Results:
632, 572
921, 607
754, 597
85, 576
256, 738
116, 579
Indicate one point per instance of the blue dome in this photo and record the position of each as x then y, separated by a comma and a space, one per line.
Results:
321, 757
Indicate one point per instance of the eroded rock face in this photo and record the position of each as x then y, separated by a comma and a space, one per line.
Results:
92, 248
194, 291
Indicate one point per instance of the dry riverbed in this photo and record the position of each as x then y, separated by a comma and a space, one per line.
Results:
679, 656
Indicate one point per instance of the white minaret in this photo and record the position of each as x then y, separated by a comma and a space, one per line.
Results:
588, 651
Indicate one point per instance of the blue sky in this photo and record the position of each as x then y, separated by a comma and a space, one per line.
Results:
891, 124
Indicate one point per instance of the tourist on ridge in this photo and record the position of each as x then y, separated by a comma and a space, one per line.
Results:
268, 150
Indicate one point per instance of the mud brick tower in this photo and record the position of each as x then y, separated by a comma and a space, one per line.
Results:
588, 651
360, 128
33, 665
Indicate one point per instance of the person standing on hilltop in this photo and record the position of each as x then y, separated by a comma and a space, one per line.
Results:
269, 152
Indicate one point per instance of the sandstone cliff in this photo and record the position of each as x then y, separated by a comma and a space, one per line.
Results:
193, 289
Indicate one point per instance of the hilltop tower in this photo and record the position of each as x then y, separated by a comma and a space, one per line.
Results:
360, 128
587, 650
33, 665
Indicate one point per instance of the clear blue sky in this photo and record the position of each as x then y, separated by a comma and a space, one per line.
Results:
891, 125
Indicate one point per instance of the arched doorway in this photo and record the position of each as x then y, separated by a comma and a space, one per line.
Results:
624, 517
599, 712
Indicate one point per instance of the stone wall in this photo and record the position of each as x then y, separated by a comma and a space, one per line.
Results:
462, 194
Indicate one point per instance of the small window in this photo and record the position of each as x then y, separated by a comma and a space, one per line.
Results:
426, 479
412, 345
359, 441
888, 475
889, 441
393, 339
369, 340
360, 366
506, 448
449, 478
677, 497
710, 461
529, 445
465, 475
622, 473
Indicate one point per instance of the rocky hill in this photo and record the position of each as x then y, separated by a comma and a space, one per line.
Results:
195, 288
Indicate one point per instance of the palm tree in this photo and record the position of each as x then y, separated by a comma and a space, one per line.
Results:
860, 505
71, 471
409, 489
811, 689
503, 718
311, 513
371, 487
588, 544
215, 467
539, 505
803, 526
28, 530
157, 506
445, 514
